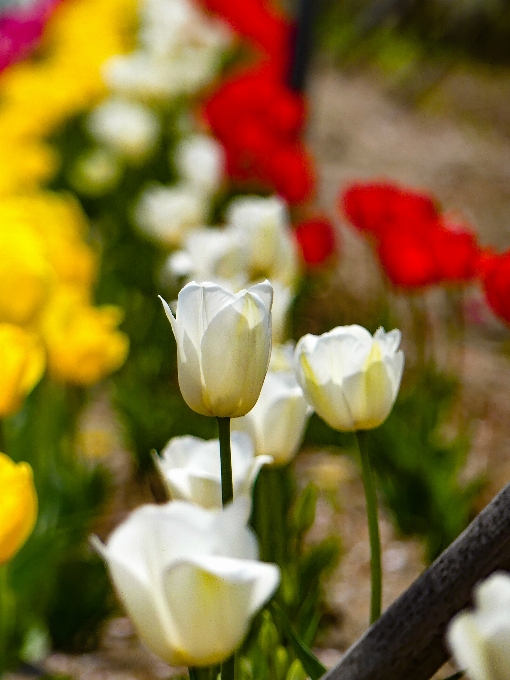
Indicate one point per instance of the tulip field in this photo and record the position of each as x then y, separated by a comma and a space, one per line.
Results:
254, 340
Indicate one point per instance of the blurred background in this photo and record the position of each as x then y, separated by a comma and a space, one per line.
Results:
412, 92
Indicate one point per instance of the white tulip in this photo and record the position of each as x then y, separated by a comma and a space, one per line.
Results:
223, 346
270, 243
167, 214
282, 300
127, 127
480, 639
189, 578
211, 255
191, 468
277, 421
349, 377
200, 160
140, 75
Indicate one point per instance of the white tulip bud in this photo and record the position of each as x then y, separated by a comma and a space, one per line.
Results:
189, 578
223, 346
200, 160
167, 214
349, 377
269, 241
277, 421
191, 468
480, 639
129, 128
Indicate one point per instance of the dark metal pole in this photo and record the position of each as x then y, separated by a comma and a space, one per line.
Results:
302, 44
408, 640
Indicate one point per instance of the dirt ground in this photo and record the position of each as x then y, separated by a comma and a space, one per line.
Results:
457, 145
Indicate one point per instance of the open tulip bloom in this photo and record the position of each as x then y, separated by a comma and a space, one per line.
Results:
191, 468
223, 346
349, 377
480, 639
189, 578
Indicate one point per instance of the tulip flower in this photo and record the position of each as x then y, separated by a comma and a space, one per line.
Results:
480, 639
277, 421
264, 226
125, 127
167, 214
349, 377
23, 362
191, 468
18, 506
223, 346
200, 161
189, 578
352, 380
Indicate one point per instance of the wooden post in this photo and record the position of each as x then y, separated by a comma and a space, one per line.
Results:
408, 640
302, 45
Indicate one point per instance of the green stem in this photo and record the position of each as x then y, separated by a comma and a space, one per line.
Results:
228, 668
2, 437
227, 495
227, 487
373, 527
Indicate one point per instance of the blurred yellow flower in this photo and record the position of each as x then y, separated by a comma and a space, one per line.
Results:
82, 342
62, 225
18, 506
22, 361
24, 270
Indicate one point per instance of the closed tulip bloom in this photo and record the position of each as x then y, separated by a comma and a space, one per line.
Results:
22, 364
349, 377
191, 468
277, 421
18, 506
223, 346
480, 639
189, 578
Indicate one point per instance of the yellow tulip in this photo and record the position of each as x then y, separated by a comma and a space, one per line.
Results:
18, 506
22, 361
24, 270
82, 342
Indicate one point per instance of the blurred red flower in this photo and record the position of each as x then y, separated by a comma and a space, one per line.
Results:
416, 245
317, 240
495, 275
258, 120
371, 207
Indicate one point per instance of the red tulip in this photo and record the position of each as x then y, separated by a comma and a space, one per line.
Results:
371, 207
317, 240
495, 275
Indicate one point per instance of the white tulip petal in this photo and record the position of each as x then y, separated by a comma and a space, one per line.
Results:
389, 341
468, 646
265, 292
210, 598
249, 348
493, 593
146, 609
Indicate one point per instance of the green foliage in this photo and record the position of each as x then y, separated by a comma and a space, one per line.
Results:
281, 518
58, 591
417, 469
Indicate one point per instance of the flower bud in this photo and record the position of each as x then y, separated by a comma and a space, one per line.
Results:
480, 639
18, 506
189, 578
223, 346
191, 468
349, 377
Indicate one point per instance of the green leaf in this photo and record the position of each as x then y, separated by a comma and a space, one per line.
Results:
310, 662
